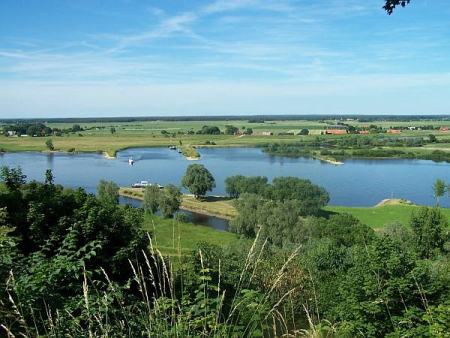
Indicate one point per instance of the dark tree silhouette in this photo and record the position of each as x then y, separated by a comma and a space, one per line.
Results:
391, 4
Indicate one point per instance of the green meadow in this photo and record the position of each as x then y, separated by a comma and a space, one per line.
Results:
175, 238
379, 217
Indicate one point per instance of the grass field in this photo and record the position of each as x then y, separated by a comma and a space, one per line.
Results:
98, 138
379, 217
113, 143
174, 238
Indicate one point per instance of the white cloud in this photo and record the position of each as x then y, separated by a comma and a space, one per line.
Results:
342, 94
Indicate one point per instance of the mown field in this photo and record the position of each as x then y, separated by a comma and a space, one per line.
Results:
379, 217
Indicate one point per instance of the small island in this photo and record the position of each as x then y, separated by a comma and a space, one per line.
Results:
189, 152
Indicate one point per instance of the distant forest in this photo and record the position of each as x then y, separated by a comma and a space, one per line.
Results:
251, 118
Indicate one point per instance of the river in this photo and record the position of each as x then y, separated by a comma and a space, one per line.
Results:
356, 183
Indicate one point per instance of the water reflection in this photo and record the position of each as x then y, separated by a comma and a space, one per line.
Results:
191, 217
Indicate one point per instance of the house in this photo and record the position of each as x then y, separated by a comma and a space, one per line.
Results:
11, 132
365, 132
267, 133
446, 129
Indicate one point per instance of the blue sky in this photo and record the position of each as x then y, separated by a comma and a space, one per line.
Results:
61, 58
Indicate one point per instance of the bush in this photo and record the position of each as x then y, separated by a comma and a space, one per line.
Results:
209, 130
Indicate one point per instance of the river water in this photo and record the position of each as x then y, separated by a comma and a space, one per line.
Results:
356, 183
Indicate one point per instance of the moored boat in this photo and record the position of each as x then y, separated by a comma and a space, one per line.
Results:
143, 184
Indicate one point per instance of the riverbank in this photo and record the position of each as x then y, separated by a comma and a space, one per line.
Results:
217, 206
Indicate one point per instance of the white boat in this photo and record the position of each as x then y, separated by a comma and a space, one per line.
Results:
143, 184
130, 161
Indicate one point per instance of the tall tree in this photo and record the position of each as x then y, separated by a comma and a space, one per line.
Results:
49, 178
170, 200
13, 178
108, 192
198, 180
428, 226
151, 198
439, 189
49, 144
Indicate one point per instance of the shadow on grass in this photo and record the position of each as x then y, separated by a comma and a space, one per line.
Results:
326, 213
214, 199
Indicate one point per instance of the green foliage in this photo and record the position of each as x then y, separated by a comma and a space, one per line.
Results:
151, 198
277, 209
76, 128
359, 146
108, 192
248, 131
49, 177
384, 285
30, 129
209, 130
198, 180
282, 223
304, 131
231, 130
439, 189
13, 178
49, 144
311, 198
247, 221
390, 5
430, 232
237, 185
169, 200
53, 236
